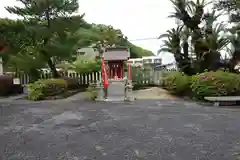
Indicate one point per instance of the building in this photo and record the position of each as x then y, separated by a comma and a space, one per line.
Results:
152, 60
149, 60
169, 67
87, 53
135, 61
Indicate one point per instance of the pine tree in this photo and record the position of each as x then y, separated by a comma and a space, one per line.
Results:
53, 28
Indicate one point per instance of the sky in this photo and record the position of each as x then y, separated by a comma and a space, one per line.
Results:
137, 19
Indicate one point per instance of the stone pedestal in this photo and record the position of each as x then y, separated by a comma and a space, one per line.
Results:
116, 90
129, 92
100, 92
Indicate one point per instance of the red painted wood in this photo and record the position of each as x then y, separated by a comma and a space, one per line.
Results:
115, 69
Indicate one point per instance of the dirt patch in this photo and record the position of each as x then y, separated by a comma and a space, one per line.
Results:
153, 93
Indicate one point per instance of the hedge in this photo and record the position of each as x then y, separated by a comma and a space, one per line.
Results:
72, 83
42, 89
175, 82
217, 83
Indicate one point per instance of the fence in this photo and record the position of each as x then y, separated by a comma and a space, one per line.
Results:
82, 78
139, 76
148, 77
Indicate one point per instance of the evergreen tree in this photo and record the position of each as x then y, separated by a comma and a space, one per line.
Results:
53, 28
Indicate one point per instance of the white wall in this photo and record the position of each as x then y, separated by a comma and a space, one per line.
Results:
90, 54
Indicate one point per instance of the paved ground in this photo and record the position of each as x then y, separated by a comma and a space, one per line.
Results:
153, 93
143, 130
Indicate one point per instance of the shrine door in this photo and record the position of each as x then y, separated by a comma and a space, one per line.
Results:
115, 69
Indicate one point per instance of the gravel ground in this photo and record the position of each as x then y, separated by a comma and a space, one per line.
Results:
142, 130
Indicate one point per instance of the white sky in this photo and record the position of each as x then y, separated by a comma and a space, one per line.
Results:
138, 19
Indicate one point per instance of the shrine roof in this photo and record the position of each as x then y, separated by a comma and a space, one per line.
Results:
116, 53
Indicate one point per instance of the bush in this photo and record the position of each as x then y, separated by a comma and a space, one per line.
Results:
92, 92
42, 89
163, 79
175, 82
72, 83
86, 66
215, 84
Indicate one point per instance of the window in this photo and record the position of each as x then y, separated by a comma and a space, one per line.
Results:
157, 61
81, 53
138, 61
147, 61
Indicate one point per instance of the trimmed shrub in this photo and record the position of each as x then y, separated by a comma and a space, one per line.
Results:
175, 82
191, 80
72, 83
215, 84
92, 92
42, 89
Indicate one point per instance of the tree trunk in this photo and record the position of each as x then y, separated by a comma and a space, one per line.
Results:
211, 61
34, 74
51, 65
53, 69
185, 50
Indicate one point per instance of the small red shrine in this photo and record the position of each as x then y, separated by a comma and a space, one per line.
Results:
118, 85
114, 59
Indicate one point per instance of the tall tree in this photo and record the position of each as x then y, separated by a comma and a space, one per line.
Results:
108, 36
13, 35
174, 42
51, 24
234, 51
190, 14
200, 33
231, 7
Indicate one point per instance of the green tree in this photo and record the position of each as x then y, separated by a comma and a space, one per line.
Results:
174, 42
52, 28
29, 63
234, 49
197, 33
108, 36
20, 53
190, 14
231, 7
13, 36
88, 66
215, 43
